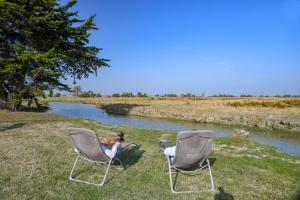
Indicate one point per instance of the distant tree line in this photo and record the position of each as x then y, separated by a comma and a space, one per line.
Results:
223, 95
129, 94
77, 91
90, 94
139, 94
169, 95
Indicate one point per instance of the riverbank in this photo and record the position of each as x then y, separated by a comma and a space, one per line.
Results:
273, 113
37, 156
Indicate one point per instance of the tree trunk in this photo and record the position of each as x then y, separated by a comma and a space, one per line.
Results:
16, 100
16, 107
17, 92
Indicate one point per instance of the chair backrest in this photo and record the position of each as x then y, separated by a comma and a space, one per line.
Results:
192, 147
86, 142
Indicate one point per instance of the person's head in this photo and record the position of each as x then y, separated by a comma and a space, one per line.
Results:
121, 136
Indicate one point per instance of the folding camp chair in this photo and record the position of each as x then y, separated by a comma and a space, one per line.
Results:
192, 148
87, 146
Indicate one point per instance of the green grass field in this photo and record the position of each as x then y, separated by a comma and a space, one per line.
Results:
36, 157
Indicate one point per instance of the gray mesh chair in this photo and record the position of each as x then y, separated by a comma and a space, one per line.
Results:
192, 148
87, 146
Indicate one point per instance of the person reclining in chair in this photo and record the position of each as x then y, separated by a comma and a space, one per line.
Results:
111, 145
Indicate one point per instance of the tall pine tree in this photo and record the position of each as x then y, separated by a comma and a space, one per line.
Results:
42, 43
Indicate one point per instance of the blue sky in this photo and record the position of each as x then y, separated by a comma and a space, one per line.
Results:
210, 46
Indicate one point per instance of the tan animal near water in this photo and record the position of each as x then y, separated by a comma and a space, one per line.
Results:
241, 133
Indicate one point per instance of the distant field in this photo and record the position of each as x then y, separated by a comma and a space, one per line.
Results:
263, 112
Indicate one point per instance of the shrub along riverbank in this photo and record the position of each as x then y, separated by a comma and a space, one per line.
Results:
36, 157
260, 112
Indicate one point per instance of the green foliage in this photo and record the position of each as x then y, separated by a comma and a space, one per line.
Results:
140, 94
287, 95
262, 95
89, 94
116, 95
50, 92
127, 94
39, 93
223, 95
77, 90
187, 95
170, 95
42, 43
246, 95
57, 95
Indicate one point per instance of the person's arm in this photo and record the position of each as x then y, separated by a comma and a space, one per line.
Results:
109, 141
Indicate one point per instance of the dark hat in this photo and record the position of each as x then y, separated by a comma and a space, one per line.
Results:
121, 136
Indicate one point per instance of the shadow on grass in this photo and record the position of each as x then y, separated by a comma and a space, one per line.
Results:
132, 155
24, 123
195, 169
42, 108
25, 108
222, 195
129, 158
212, 161
13, 126
119, 108
297, 195
83, 170
196, 166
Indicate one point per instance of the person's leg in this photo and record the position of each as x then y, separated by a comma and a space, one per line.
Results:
110, 151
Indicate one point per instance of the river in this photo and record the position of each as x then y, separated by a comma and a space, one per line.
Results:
285, 142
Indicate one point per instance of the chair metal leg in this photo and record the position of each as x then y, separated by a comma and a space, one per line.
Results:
106, 172
181, 192
96, 184
71, 174
210, 176
170, 174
